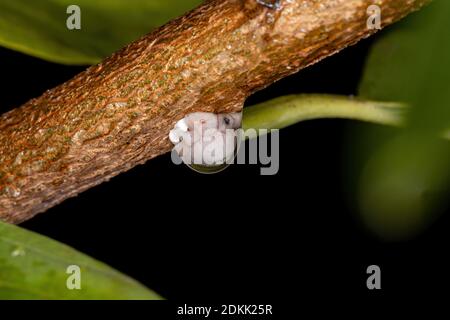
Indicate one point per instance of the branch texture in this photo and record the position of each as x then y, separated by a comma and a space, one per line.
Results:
117, 114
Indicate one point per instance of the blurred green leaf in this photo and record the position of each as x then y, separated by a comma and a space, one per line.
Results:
403, 184
34, 267
409, 63
38, 28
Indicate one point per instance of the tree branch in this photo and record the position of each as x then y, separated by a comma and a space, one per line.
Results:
117, 114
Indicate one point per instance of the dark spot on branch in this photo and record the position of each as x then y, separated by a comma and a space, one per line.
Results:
272, 4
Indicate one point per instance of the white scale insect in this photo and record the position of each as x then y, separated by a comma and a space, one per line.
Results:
206, 139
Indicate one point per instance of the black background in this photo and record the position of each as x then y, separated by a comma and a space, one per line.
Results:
236, 235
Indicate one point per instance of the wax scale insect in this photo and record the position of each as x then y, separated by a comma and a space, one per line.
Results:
207, 142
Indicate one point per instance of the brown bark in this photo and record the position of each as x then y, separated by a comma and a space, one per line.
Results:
117, 114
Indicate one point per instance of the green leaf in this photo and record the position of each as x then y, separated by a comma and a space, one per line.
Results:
34, 267
409, 63
39, 28
402, 185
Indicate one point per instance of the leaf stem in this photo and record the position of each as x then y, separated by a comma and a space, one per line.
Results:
288, 110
